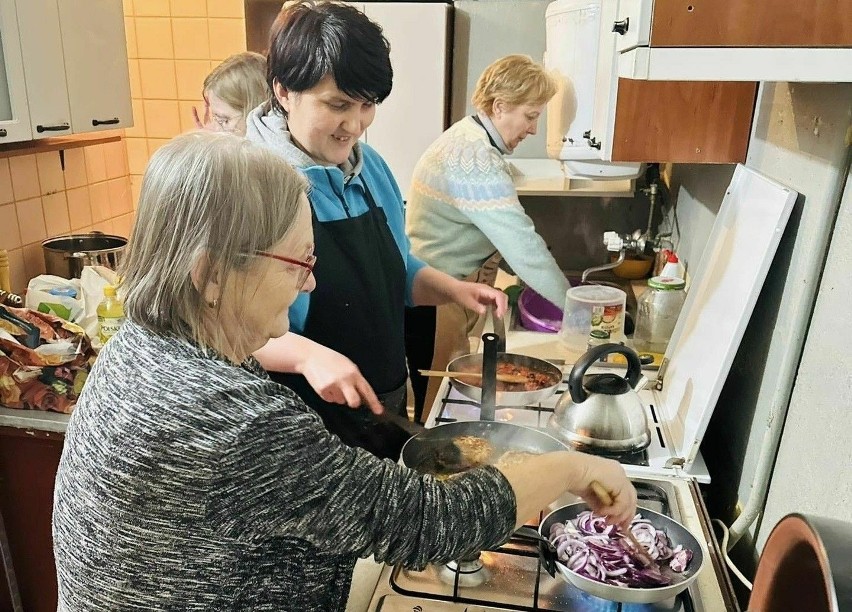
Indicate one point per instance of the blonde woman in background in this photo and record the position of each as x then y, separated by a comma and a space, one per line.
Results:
463, 214
231, 91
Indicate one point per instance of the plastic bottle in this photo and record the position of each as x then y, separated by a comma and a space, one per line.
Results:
656, 315
673, 267
5, 283
110, 314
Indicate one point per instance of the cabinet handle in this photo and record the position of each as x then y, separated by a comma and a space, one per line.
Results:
622, 26
52, 128
2, 133
112, 121
594, 143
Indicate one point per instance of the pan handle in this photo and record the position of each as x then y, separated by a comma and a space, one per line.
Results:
488, 399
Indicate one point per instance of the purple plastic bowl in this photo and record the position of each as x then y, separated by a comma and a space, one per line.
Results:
538, 314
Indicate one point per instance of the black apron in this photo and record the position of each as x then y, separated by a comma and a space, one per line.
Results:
357, 309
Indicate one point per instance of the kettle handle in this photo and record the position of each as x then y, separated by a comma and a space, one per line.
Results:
575, 379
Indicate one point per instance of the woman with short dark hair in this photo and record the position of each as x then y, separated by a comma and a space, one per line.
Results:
328, 68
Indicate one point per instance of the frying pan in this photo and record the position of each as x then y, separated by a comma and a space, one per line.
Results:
678, 534
473, 363
420, 452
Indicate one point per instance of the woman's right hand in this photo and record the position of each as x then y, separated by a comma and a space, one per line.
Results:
609, 475
338, 380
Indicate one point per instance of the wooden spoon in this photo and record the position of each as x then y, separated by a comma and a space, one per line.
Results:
606, 499
506, 378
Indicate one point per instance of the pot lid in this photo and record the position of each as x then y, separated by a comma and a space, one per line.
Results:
718, 306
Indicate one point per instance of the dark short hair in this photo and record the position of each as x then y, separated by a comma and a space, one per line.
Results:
312, 39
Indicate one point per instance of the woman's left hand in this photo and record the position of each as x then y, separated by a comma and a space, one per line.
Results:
478, 297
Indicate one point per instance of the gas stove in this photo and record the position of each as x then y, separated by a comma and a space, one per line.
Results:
512, 578
451, 406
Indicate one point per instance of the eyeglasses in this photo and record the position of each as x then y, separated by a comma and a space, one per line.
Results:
305, 267
226, 124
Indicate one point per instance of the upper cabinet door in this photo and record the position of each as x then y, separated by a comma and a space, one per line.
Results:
96, 67
14, 116
44, 70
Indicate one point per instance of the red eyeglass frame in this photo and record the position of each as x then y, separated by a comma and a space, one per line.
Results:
307, 265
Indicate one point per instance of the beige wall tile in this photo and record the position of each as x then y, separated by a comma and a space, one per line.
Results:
130, 35
187, 123
161, 118
128, 7
135, 189
158, 79
119, 196
56, 220
189, 8
123, 225
95, 163
79, 209
227, 36
138, 129
10, 235
135, 78
115, 156
191, 39
225, 8
75, 168
31, 221
156, 143
99, 199
137, 154
152, 8
50, 175
33, 260
24, 172
17, 273
190, 77
105, 226
154, 38
6, 193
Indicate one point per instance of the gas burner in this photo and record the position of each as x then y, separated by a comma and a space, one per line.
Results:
465, 572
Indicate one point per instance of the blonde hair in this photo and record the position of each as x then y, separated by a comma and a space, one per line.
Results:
240, 81
514, 79
204, 195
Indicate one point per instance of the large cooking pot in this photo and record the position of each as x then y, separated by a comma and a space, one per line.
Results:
677, 533
420, 453
65, 256
806, 564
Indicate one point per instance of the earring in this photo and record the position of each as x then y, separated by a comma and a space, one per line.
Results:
214, 303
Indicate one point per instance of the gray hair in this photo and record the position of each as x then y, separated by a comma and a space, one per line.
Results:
208, 195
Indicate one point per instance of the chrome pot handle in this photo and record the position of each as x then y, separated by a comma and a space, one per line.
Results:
575, 379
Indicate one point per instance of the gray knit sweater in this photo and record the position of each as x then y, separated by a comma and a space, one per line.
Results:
187, 483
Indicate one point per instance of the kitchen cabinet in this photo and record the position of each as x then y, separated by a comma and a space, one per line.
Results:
14, 115
415, 113
734, 40
74, 69
599, 116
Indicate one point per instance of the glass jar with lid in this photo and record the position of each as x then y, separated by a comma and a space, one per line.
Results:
657, 311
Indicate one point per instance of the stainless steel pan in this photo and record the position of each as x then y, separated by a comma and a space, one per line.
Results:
677, 533
420, 452
521, 397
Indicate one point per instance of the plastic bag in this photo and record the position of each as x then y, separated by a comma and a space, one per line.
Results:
55, 295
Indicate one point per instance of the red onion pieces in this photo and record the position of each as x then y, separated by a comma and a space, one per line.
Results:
599, 552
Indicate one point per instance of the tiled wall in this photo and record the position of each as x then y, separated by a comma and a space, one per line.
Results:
172, 46
40, 199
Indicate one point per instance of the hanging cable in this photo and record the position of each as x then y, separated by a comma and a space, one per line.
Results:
728, 561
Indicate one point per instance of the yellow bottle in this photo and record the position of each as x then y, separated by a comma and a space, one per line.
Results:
110, 314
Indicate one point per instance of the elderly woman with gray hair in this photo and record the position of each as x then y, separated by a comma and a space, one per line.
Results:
191, 481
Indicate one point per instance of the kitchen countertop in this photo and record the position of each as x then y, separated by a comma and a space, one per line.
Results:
33, 419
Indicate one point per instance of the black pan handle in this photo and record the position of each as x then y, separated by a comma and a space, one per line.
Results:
488, 399
575, 379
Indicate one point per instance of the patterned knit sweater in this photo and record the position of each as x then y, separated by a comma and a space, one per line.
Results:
188, 483
463, 206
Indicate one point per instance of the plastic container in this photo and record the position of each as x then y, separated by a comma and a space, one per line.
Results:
656, 315
110, 314
592, 307
673, 267
537, 313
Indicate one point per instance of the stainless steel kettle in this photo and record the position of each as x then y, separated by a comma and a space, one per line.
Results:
602, 413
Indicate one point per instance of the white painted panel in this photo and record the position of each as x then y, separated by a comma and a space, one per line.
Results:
95, 51
634, 16
14, 116
412, 117
44, 69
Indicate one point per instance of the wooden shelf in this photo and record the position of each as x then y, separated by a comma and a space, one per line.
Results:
44, 145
